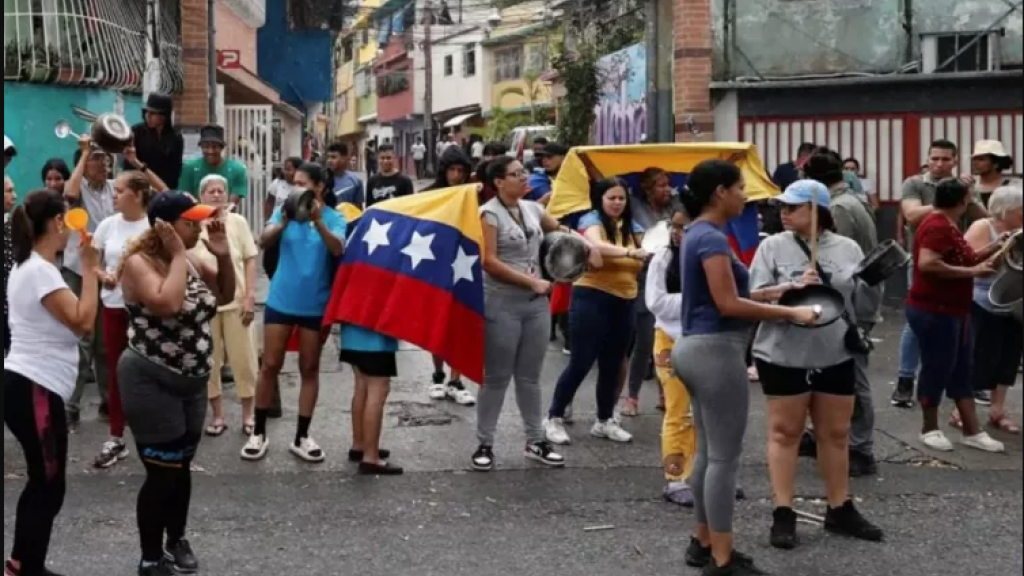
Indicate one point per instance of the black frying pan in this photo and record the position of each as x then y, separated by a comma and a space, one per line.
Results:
828, 301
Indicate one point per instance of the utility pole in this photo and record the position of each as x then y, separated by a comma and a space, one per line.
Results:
428, 85
660, 44
211, 19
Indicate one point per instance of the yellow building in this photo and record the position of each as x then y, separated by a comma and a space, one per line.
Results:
355, 51
517, 54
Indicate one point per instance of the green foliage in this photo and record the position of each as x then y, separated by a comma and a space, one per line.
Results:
499, 125
579, 73
532, 94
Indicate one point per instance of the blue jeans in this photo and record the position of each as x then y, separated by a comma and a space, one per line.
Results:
947, 356
910, 348
602, 328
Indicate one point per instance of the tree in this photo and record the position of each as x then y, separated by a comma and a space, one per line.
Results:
532, 94
499, 125
579, 73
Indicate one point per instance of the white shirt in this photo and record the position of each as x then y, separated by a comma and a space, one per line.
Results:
667, 308
280, 191
42, 349
419, 151
99, 203
111, 238
478, 150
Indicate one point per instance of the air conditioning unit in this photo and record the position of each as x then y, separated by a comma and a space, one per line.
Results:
949, 52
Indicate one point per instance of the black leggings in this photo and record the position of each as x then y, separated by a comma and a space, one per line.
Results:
166, 495
35, 416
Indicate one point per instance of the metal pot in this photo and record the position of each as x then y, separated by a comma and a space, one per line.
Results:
827, 300
1015, 257
566, 256
1007, 295
112, 133
882, 263
298, 206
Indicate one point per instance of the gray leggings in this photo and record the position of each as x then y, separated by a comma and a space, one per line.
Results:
516, 342
714, 370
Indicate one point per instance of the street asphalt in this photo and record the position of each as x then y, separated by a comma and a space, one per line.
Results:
946, 515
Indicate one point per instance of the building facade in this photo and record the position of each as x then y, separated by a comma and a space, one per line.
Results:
517, 54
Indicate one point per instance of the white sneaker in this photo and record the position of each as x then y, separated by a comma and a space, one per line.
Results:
460, 395
308, 450
937, 441
255, 449
611, 430
985, 443
437, 391
554, 429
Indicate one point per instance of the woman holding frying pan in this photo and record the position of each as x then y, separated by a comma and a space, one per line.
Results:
810, 370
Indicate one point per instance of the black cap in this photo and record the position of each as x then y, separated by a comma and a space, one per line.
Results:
555, 149
212, 135
159, 104
173, 206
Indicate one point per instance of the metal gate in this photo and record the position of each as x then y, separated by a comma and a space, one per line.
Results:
249, 131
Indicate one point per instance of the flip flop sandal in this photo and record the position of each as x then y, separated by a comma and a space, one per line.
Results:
956, 421
1006, 425
248, 430
216, 430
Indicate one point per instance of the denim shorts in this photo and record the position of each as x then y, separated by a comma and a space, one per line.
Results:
272, 317
947, 356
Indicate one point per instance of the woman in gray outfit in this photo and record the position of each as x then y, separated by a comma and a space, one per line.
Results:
811, 371
518, 319
710, 358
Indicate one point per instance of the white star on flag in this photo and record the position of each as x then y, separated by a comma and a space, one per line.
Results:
378, 235
463, 266
419, 249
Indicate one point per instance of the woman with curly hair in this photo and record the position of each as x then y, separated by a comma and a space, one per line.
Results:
171, 299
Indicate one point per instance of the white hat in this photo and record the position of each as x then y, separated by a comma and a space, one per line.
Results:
8, 145
990, 148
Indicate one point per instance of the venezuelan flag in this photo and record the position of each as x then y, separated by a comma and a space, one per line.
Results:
571, 196
412, 271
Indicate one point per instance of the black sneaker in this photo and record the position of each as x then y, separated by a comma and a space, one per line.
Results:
848, 521
386, 469
483, 459
862, 465
697, 556
356, 456
784, 536
903, 397
983, 398
162, 568
809, 446
181, 558
544, 453
741, 565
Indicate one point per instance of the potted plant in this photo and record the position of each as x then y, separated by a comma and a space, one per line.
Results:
36, 64
72, 69
12, 61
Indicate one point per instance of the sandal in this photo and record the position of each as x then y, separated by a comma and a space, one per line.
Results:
248, 429
216, 429
956, 421
630, 408
1005, 425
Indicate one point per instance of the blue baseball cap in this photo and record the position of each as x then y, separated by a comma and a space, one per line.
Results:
805, 192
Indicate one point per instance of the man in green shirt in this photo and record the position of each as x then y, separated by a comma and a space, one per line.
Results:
211, 141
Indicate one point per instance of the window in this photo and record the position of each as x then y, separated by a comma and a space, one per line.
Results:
960, 52
449, 65
469, 61
365, 37
347, 50
393, 82
317, 14
508, 64
362, 84
537, 59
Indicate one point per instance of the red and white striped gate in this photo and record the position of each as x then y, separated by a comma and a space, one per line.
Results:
890, 147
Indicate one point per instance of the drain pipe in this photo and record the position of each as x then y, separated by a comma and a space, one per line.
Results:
211, 31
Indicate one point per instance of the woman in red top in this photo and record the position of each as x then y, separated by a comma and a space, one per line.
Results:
938, 310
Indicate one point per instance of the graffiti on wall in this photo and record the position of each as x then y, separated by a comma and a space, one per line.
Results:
622, 110
32, 110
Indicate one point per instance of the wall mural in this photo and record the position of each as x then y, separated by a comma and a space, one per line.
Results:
622, 111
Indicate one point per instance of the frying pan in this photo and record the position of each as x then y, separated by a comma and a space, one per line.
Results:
829, 301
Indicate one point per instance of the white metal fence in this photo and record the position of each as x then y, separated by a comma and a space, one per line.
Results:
249, 131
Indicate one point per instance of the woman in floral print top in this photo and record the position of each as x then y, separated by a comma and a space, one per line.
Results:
8, 252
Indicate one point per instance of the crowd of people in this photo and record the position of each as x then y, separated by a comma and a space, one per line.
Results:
157, 295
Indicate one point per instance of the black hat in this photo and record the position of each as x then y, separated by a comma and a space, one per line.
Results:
212, 135
554, 149
159, 104
173, 206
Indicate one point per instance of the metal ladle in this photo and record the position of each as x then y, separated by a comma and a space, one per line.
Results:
63, 130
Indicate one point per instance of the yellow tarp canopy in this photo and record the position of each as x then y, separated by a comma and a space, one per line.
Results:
571, 190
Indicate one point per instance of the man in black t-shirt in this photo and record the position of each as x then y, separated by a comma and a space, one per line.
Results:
389, 183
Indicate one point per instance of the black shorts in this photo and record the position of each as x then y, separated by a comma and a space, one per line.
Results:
374, 364
272, 317
782, 382
998, 348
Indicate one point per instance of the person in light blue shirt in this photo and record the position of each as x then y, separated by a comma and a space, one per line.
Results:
374, 360
347, 187
299, 292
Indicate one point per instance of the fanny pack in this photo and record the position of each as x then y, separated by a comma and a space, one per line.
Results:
856, 339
